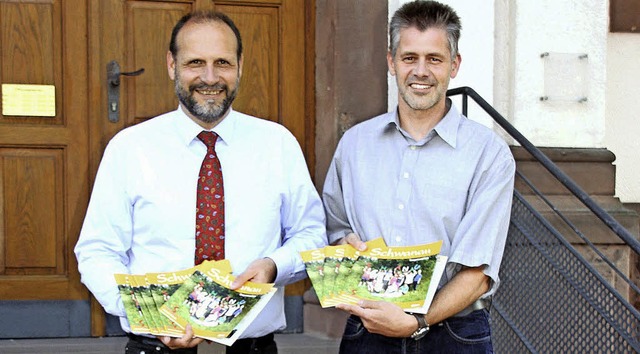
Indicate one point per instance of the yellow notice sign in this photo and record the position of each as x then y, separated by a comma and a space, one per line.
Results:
28, 100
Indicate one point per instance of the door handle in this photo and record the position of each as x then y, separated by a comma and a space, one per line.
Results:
113, 88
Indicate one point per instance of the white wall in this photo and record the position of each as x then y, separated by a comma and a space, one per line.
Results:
556, 26
623, 112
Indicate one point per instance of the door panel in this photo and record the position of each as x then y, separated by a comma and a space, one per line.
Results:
258, 93
273, 85
136, 34
152, 92
36, 248
30, 37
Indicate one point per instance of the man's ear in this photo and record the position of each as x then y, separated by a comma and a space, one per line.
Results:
455, 65
240, 66
171, 65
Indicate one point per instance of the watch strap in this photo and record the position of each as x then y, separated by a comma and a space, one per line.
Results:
423, 327
422, 323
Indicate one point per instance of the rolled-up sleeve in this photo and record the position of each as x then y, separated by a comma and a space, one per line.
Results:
481, 235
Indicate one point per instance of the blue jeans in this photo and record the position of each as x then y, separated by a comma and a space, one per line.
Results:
467, 334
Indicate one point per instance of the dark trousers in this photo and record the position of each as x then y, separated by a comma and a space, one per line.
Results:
262, 345
466, 334
141, 344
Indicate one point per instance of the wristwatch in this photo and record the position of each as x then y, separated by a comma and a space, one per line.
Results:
423, 327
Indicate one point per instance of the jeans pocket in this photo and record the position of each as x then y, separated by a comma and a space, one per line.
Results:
471, 329
354, 329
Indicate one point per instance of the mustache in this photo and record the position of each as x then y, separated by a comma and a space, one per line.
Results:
218, 86
417, 80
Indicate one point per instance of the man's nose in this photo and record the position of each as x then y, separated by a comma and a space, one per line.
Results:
209, 74
422, 68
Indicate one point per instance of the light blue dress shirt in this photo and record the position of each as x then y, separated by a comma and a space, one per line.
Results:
455, 185
141, 217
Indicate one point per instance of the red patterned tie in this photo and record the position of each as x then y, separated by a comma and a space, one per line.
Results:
210, 204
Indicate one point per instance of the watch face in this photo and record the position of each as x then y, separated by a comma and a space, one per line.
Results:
423, 327
421, 332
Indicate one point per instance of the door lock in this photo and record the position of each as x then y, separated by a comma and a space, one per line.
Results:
113, 88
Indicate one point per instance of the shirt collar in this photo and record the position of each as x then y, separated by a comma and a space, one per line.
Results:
447, 128
188, 130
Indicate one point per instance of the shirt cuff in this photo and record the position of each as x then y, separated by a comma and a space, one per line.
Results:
285, 273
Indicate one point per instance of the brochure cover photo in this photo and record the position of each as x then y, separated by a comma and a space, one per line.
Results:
214, 311
406, 276
132, 305
199, 296
314, 264
331, 264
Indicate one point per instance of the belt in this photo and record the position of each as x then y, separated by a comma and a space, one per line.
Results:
145, 340
243, 345
154, 345
477, 305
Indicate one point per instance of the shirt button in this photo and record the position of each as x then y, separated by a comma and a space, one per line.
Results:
400, 206
413, 147
398, 238
405, 175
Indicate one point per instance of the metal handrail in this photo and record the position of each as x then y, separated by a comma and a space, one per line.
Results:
579, 233
607, 219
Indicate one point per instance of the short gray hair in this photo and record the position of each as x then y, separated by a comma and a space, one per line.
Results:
424, 15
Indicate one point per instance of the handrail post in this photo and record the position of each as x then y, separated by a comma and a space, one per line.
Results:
465, 103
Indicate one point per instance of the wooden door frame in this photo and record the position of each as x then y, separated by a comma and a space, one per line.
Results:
346, 92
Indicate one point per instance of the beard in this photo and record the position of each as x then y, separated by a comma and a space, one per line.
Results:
420, 102
426, 101
209, 111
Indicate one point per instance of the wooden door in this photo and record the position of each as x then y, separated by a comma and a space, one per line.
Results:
275, 83
48, 163
44, 175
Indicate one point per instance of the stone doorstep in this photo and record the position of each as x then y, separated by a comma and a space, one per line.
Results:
584, 219
591, 168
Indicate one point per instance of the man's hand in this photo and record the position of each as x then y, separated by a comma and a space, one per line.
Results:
353, 240
186, 341
383, 318
262, 270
